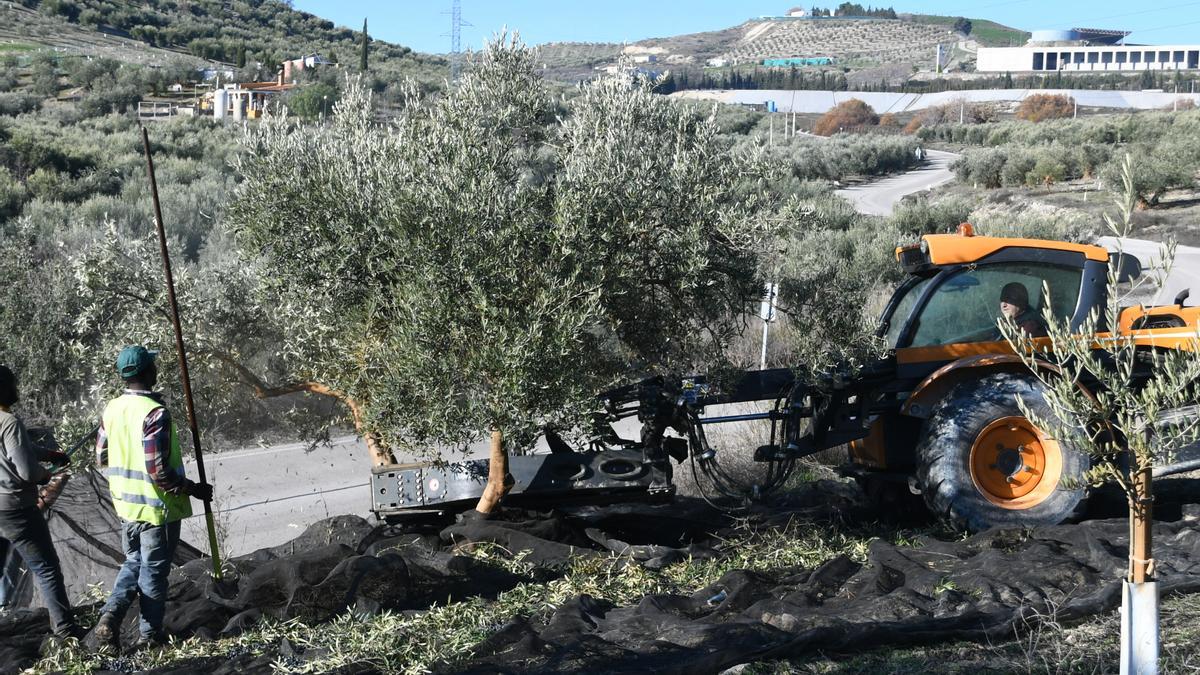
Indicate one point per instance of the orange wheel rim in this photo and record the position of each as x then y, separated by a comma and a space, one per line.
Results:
1014, 465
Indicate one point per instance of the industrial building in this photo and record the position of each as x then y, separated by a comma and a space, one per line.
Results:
1086, 50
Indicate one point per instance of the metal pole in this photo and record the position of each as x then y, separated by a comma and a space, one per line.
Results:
762, 360
768, 314
183, 366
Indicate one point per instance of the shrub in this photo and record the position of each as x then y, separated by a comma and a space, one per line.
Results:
1038, 107
919, 216
8, 77
982, 167
1034, 221
1156, 169
1046, 171
1018, 165
16, 104
844, 156
12, 195
951, 113
312, 101
849, 115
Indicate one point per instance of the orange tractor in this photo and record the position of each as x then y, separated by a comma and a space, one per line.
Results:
950, 424
938, 416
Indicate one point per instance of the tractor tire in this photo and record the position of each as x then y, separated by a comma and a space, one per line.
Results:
982, 464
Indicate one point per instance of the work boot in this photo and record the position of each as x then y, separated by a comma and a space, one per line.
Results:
70, 637
148, 642
107, 634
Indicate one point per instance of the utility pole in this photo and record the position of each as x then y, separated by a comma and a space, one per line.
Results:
456, 24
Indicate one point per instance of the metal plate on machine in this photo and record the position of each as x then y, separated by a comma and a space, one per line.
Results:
405, 488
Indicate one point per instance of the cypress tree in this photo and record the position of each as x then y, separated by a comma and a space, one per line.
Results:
362, 57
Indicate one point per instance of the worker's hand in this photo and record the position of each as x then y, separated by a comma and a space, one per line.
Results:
57, 458
201, 491
49, 494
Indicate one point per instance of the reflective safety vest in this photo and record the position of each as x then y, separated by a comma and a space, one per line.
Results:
135, 495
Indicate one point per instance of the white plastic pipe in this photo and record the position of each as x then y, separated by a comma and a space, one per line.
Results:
1139, 628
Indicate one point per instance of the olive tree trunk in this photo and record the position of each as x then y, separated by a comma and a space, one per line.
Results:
500, 481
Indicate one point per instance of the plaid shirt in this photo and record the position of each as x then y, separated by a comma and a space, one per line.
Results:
156, 444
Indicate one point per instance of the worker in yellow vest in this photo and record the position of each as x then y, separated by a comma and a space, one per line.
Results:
139, 445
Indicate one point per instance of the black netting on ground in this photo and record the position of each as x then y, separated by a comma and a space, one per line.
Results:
972, 588
87, 537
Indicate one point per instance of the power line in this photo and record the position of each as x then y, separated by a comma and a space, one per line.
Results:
1144, 11
1175, 25
1002, 4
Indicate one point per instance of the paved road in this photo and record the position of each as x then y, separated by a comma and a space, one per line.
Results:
267, 496
878, 197
1184, 272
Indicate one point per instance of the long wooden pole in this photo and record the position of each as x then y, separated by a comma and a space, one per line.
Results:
190, 404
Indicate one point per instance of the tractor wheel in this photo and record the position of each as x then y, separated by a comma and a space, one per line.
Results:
981, 463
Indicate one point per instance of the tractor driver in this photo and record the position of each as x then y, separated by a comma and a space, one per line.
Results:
1014, 305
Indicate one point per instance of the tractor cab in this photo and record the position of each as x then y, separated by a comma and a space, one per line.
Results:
949, 306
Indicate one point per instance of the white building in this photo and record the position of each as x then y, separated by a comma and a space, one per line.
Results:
1087, 58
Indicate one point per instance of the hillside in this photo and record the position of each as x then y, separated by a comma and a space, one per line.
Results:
261, 33
234, 33
986, 33
873, 47
24, 30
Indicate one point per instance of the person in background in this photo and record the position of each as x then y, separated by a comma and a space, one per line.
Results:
22, 525
138, 444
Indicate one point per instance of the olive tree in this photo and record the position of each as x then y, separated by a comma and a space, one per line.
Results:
37, 306
1116, 399
491, 257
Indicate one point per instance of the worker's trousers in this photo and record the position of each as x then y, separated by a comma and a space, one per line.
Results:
26, 530
10, 573
149, 550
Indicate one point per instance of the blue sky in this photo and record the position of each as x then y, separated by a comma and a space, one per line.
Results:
425, 25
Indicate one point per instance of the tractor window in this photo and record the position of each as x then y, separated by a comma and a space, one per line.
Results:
903, 308
966, 306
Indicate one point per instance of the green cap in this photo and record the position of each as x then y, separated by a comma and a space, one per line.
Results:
134, 359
